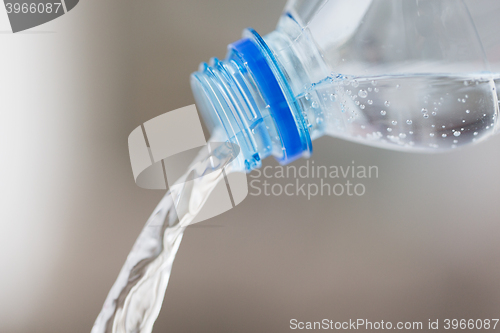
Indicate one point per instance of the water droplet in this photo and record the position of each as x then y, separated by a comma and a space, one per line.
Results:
314, 105
443, 126
362, 106
308, 96
455, 141
370, 102
374, 82
409, 122
476, 133
425, 115
355, 83
433, 125
402, 135
434, 113
319, 120
397, 86
466, 83
389, 129
376, 90
387, 103
332, 97
369, 89
457, 133
348, 92
431, 135
467, 111
435, 109
444, 135
463, 120
357, 102
466, 96
363, 93
383, 112
394, 122
424, 110
410, 132
463, 100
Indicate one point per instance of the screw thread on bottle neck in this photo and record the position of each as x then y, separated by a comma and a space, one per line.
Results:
246, 94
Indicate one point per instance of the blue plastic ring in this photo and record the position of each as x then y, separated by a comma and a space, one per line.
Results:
273, 96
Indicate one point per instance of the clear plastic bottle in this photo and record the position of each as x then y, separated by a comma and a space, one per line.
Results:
415, 75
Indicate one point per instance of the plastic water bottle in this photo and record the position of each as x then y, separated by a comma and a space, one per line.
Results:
414, 75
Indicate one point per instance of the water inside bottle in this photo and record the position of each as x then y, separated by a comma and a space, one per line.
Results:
135, 300
406, 112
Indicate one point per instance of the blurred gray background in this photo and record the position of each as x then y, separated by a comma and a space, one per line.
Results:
421, 244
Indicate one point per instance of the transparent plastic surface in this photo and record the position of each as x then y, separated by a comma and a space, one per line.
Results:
401, 74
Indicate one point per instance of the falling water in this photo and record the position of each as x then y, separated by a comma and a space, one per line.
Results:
135, 300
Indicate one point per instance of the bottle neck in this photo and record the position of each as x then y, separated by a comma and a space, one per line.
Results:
249, 96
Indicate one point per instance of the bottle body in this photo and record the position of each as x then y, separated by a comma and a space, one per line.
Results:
408, 75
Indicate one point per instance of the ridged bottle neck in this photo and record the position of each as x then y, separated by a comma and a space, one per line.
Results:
247, 94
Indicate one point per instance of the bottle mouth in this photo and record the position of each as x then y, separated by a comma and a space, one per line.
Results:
248, 95
230, 108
